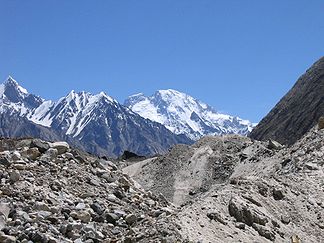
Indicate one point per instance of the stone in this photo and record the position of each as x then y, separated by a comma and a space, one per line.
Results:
130, 219
19, 166
321, 123
112, 198
5, 158
62, 147
278, 193
295, 239
311, 166
80, 206
68, 156
41, 145
14, 176
7, 238
32, 153
240, 225
4, 210
41, 206
52, 153
97, 208
120, 213
285, 219
4, 213
43, 214
245, 213
216, 216
274, 145
111, 218
109, 177
264, 231
105, 164
84, 216
15, 156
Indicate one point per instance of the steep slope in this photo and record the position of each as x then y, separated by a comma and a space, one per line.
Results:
298, 111
182, 114
234, 189
96, 123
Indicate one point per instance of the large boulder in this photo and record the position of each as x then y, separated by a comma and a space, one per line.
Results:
62, 147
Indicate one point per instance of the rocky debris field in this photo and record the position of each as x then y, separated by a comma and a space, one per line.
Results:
219, 190
50, 193
234, 189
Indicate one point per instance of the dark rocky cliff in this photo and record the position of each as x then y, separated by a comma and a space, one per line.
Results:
298, 111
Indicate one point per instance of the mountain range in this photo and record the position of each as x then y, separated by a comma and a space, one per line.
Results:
183, 114
101, 125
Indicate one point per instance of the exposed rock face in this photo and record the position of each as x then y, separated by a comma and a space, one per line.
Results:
234, 189
59, 194
298, 111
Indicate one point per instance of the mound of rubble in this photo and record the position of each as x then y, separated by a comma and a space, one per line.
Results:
51, 193
234, 189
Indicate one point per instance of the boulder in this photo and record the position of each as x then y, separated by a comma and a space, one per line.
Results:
5, 158
274, 145
245, 213
264, 231
32, 153
62, 147
130, 219
52, 153
7, 238
321, 123
4, 213
278, 193
41, 145
295, 239
14, 176
111, 218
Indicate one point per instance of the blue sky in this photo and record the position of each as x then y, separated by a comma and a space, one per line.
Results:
240, 57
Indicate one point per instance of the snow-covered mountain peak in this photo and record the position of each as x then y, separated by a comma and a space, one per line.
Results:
15, 98
103, 95
10, 82
183, 114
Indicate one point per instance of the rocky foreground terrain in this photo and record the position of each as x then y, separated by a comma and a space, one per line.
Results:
235, 189
221, 189
50, 193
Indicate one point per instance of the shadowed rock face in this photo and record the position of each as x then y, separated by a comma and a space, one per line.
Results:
298, 111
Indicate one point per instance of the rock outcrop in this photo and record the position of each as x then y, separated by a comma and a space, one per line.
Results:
298, 111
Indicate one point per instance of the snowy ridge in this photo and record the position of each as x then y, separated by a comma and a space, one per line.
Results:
182, 114
74, 111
